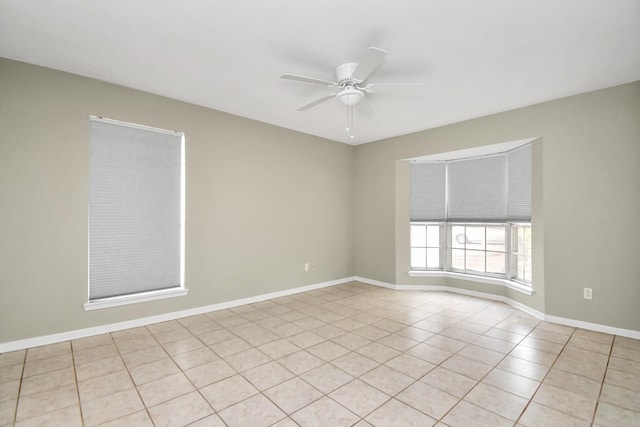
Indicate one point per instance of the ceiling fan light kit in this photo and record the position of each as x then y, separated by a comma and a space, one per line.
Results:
349, 78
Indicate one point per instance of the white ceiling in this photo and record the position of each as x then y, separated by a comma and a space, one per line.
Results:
474, 57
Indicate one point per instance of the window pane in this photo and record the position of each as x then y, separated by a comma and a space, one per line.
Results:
418, 235
433, 258
418, 258
458, 236
475, 237
457, 259
496, 262
496, 238
433, 236
475, 261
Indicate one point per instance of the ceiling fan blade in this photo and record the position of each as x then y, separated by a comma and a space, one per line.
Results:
317, 102
312, 80
372, 59
370, 88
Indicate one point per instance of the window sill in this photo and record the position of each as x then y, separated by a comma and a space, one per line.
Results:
473, 278
135, 298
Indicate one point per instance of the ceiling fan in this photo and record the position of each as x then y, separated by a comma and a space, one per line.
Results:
350, 85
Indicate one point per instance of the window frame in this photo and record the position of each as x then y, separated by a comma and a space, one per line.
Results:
157, 293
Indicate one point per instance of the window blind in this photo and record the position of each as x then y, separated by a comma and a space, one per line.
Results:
428, 192
135, 209
496, 188
477, 189
519, 198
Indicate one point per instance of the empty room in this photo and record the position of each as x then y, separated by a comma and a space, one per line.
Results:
364, 213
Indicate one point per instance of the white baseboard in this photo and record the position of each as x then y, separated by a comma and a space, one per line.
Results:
629, 333
103, 329
97, 330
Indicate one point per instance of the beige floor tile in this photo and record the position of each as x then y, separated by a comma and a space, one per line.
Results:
481, 354
267, 375
212, 420
398, 342
413, 333
12, 358
459, 334
229, 347
503, 335
429, 353
610, 415
598, 347
7, 411
498, 401
626, 353
537, 415
387, 380
533, 355
628, 343
279, 348
48, 351
523, 367
9, 390
324, 413
99, 367
466, 366
130, 345
152, 371
465, 414
513, 383
44, 364
619, 396
326, 378
68, 417
622, 379
286, 422
257, 411
327, 351
92, 354
228, 392
260, 337
217, 336
566, 401
293, 394
371, 332
306, 339
542, 345
285, 330
89, 342
137, 419
181, 410
209, 373
111, 407
600, 337
104, 385
355, 364
46, 381
11, 372
359, 397
351, 341
43, 402
194, 358
164, 389
130, 334
247, 359
140, 357
410, 365
494, 344
378, 352
183, 345
574, 383
625, 365
546, 335
427, 399
203, 328
451, 382
162, 327
397, 414
300, 362
445, 343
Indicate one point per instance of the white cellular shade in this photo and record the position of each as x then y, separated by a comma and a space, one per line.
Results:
477, 189
428, 191
519, 199
135, 209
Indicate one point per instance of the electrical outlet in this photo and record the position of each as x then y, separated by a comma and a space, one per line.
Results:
306, 266
588, 293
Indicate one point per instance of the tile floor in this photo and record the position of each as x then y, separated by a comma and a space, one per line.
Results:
348, 355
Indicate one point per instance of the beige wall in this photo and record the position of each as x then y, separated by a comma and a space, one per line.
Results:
586, 184
260, 200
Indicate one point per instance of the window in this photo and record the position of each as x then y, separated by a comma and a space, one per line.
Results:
136, 211
473, 216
